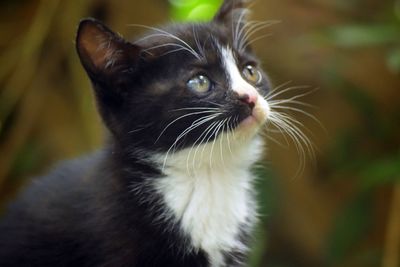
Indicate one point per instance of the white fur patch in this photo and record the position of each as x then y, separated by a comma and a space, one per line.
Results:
213, 198
239, 85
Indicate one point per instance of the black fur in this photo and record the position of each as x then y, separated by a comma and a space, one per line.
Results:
84, 214
99, 210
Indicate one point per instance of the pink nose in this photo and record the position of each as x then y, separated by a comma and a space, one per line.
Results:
249, 99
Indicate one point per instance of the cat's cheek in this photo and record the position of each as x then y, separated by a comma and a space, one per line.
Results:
261, 111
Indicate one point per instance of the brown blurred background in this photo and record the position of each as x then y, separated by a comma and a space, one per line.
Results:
344, 208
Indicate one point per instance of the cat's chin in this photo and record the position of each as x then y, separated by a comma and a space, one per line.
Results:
250, 126
250, 122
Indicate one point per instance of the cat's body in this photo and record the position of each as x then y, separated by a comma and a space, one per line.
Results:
173, 186
85, 213
76, 222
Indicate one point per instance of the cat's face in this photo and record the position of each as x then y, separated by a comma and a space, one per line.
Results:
179, 86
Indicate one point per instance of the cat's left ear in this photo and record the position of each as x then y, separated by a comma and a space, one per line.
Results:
103, 52
232, 12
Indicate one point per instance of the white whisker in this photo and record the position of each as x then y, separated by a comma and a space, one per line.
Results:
245, 30
263, 133
300, 111
220, 142
257, 39
199, 47
196, 108
215, 134
229, 131
194, 125
211, 134
271, 96
204, 134
277, 88
168, 34
288, 124
181, 117
193, 145
249, 29
197, 145
236, 36
288, 101
180, 48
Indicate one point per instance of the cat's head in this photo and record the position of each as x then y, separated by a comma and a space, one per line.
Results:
178, 86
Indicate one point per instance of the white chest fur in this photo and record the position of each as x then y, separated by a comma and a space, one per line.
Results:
213, 201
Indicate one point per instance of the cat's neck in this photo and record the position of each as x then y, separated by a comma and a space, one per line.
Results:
204, 191
210, 194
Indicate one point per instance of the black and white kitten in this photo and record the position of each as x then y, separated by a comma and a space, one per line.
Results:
172, 186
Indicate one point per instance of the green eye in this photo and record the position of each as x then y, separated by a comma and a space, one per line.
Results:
252, 74
199, 84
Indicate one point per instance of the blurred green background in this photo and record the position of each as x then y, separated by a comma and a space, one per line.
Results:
344, 208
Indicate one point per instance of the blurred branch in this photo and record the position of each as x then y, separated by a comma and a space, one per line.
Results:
19, 133
26, 63
79, 84
31, 105
9, 58
391, 256
356, 36
30, 76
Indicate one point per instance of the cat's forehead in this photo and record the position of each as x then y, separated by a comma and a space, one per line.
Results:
200, 40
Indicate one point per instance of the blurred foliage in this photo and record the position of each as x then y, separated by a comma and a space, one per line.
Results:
194, 10
350, 227
374, 167
345, 212
358, 36
370, 150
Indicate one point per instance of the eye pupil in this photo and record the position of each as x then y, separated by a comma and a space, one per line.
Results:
202, 80
250, 70
252, 74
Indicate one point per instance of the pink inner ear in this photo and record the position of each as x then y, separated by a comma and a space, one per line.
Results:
98, 47
107, 53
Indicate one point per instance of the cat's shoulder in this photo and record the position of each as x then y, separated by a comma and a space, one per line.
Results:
68, 182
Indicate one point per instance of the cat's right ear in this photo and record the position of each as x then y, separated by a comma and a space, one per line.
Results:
232, 12
103, 52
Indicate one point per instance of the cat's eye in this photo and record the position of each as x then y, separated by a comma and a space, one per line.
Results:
252, 74
199, 84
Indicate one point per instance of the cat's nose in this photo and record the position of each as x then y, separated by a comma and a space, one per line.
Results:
249, 99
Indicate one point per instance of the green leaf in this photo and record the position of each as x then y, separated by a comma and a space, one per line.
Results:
393, 61
349, 229
27, 159
381, 172
364, 35
194, 10
259, 246
397, 9
268, 200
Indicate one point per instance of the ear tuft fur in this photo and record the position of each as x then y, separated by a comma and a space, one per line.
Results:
102, 51
232, 11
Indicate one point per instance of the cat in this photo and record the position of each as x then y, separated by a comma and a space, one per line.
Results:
172, 186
